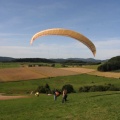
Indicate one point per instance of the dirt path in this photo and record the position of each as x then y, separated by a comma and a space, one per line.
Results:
4, 97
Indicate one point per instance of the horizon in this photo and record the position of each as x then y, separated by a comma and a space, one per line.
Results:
52, 58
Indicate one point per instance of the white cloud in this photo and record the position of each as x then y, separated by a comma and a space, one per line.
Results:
106, 54
108, 48
44, 50
108, 44
105, 50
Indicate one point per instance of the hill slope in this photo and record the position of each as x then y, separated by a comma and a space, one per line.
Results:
111, 65
6, 59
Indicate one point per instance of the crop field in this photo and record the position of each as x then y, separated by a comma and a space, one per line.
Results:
106, 74
52, 72
27, 73
12, 74
94, 72
79, 70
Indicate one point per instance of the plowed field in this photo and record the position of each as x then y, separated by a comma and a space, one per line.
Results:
27, 73
15, 74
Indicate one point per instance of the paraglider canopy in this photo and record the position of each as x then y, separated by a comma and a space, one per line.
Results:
68, 33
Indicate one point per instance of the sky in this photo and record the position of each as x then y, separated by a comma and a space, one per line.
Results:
98, 20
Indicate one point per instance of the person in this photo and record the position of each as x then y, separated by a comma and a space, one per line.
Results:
64, 99
56, 94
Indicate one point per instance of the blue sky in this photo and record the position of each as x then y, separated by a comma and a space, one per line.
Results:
98, 20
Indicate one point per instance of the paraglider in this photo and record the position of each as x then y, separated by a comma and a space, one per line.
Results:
68, 33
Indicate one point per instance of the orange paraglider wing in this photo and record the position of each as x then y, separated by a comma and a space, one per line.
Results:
68, 33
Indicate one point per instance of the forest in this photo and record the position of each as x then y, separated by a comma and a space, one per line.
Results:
112, 64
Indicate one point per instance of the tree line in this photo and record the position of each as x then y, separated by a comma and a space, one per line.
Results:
34, 60
111, 65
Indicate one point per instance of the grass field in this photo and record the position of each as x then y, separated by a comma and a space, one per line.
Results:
80, 106
9, 65
57, 82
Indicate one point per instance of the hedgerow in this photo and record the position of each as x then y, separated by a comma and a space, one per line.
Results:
94, 88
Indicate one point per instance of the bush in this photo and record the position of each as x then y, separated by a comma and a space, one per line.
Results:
85, 89
69, 88
113, 88
92, 88
43, 89
101, 88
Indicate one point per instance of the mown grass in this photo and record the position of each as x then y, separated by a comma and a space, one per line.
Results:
80, 106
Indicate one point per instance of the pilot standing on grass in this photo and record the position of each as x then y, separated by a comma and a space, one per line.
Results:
64, 99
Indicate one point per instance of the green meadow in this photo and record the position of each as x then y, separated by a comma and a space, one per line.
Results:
80, 106
9, 65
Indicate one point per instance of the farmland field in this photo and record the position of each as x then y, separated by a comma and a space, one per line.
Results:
11, 74
106, 74
79, 70
9, 65
27, 73
94, 72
